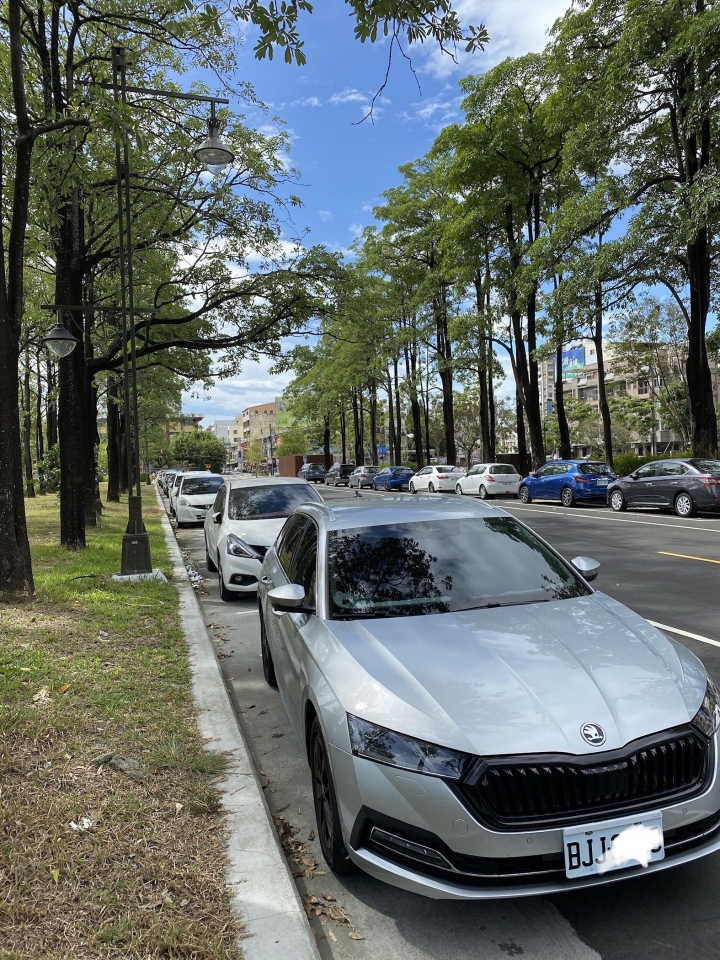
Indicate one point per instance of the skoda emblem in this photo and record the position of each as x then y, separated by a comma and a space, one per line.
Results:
593, 734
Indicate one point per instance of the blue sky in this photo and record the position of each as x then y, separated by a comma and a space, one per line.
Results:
345, 166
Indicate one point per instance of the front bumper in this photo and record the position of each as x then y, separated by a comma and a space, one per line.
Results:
486, 863
190, 514
241, 574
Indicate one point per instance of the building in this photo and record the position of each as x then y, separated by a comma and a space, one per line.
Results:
185, 423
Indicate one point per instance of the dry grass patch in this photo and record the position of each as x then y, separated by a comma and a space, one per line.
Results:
104, 859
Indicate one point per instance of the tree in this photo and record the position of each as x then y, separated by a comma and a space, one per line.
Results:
199, 451
292, 441
468, 423
254, 452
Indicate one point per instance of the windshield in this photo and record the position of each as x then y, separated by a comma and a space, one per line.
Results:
199, 485
595, 469
265, 502
706, 466
413, 569
503, 469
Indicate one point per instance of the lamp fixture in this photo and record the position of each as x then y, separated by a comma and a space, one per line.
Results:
212, 153
60, 341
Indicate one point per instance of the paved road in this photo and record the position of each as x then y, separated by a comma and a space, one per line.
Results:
645, 563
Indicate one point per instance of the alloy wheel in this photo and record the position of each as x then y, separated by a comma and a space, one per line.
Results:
458, 489
482, 492
524, 495
267, 660
431, 487
617, 501
684, 506
567, 498
411, 488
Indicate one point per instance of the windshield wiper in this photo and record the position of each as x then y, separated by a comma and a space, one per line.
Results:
510, 603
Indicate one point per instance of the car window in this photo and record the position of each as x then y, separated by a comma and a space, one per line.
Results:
503, 469
706, 466
649, 470
670, 469
442, 566
251, 502
595, 469
547, 471
563, 468
219, 504
287, 541
303, 566
194, 486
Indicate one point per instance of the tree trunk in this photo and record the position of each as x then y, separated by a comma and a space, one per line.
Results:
92, 438
390, 445
444, 349
27, 428
699, 381
524, 466
51, 424
113, 440
343, 435
563, 428
397, 458
373, 423
362, 425
602, 392
491, 410
39, 442
326, 442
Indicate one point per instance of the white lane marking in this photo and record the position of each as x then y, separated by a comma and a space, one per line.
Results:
579, 516
685, 633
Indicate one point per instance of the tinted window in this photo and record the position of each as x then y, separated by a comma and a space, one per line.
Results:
440, 566
197, 485
219, 504
706, 466
304, 561
260, 503
503, 469
595, 469
345, 471
286, 542
547, 471
671, 469
649, 470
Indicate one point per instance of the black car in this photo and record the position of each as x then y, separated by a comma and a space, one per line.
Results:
312, 472
339, 473
684, 486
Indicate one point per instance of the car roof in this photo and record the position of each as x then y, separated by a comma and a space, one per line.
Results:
368, 513
262, 481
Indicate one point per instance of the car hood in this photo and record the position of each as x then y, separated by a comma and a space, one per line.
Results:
261, 533
194, 498
517, 679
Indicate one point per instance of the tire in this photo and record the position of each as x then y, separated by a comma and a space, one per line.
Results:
225, 594
567, 497
181, 526
524, 495
482, 492
335, 483
209, 562
458, 490
411, 487
327, 817
267, 660
617, 501
431, 487
684, 506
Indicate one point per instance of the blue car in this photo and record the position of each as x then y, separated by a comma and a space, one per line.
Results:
567, 481
392, 478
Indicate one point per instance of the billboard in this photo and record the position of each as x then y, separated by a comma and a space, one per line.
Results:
573, 362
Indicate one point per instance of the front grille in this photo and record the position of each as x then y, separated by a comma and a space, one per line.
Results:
526, 791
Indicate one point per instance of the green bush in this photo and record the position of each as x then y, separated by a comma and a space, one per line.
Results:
49, 470
627, 463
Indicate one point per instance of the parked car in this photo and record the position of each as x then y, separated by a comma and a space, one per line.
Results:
392, 478
482, 723
684, 486
567, 481
363, 476
312, 472
489, 480
244, 521
339, 473
173, 496
435, 478
195, 496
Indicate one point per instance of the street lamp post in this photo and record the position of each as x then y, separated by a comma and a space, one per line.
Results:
215, 156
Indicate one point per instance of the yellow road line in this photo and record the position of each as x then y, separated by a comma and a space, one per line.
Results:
685, 556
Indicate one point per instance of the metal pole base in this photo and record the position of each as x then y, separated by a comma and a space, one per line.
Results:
136, 542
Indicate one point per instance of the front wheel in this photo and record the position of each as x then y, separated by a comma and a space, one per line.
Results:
267, 660
431, 487
411, 488
458, 489
225, 594
617, 501
524, 495
327, 816
482, 493
567, 497
209, 562
684, 506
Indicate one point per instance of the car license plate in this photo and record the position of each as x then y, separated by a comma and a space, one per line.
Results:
616, 845
602, 483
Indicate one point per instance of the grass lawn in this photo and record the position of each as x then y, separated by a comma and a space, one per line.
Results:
91, 667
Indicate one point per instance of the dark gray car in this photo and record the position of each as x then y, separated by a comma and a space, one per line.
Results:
684, 486
312, 472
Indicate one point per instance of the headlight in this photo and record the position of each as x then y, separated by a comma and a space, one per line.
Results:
183, 502
397, 750
707, 719
238, 548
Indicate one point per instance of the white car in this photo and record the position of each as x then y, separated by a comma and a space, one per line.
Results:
489, 480
245, 519
195, 496
436, 478
175, 486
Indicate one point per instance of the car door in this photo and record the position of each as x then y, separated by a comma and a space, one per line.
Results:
666, 485
471, 483
639, 488
295, 625
212, 528
539, 484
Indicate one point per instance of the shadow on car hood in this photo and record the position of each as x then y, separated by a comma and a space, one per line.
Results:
517, 679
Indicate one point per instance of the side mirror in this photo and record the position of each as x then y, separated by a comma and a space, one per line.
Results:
290, 597
586, 567
217, 517
633, 476
534, 474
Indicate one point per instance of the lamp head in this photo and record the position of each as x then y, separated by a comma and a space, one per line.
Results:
212, 153
60, 341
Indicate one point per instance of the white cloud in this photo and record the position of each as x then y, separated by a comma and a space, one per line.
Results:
325, 215
514, 26
348, 95
356, 229
307, 102
255, 384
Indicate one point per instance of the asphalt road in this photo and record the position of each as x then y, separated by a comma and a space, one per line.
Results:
660, 566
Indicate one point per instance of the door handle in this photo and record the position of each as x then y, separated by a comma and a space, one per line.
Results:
648, 484
674, 483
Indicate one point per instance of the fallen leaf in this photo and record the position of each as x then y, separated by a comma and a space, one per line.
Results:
178, 808
276, 735
332, 936
184, 903
321, 873
308, 874
42, 696
312, 835
262, 712
355, 936
55, 876
318, 911
329, 897
64, 688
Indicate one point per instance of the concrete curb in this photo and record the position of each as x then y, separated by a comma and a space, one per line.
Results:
264, 895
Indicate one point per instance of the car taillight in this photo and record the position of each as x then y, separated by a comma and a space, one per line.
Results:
710, 481
579, 478
491, 479
443, 476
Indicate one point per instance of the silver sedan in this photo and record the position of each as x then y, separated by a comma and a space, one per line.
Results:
478, 720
